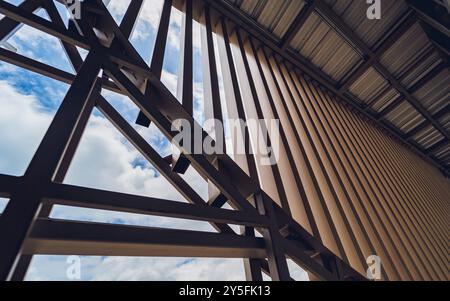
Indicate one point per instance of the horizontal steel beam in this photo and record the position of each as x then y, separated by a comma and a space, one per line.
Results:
62, 194
57, 237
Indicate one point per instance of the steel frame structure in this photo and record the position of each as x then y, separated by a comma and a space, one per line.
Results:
25, 226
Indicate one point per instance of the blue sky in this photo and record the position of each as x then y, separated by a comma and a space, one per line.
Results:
104, 158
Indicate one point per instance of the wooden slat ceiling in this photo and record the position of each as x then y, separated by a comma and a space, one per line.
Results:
393, 67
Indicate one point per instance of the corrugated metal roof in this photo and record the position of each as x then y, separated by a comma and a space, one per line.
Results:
324, 47
405, 51
369, 85
275, 16
385, 100
435, 94
405, 117
424, 63
428, 137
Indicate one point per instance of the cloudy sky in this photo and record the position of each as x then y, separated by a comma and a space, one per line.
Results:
104, 158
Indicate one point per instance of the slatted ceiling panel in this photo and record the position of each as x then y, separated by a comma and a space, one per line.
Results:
443, 153
325, 48
338, 56
435, 94
445, 121
258, 8
445, 157
275, 16
429, 138
287, 17
339, 6
434, 139
404, 117
424, 64
306, 31
411, 121
384, 100
426, 131
249, 6
353, 13
369, 85
405, 51
271, 13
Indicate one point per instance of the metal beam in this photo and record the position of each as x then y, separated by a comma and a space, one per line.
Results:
8, 184
157, 61
212, 102
130, 18
68, 195
57, 237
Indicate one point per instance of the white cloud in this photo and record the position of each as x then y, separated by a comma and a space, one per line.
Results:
169, 269
22, 126
139, 269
